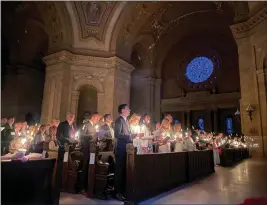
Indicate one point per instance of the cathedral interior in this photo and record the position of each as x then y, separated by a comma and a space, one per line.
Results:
203, 62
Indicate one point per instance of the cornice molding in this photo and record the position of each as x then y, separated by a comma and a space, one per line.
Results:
251, 23
89, 61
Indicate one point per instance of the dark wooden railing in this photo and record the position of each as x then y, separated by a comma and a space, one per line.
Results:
230, 156
151, 174
27, 182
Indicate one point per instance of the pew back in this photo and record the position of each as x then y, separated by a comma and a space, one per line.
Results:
151, 174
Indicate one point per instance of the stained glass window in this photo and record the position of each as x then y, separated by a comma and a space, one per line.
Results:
199, 69
201, 124
229, 125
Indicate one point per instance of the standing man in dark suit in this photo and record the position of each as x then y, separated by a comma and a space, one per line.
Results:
66, 131
88, 133
65, 135
123, 136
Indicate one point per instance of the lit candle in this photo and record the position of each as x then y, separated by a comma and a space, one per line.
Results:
77, 135
96, 128
23, 140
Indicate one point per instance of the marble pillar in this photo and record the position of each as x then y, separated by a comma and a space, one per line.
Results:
145, 96
66, 73
251, 38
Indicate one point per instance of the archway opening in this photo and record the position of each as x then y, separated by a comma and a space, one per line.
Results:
87, 102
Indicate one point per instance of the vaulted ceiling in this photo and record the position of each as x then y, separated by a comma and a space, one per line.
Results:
116, 28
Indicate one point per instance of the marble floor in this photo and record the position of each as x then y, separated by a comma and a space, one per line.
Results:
226, 186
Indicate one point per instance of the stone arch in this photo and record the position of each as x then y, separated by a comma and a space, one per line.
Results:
57, 25
76, 93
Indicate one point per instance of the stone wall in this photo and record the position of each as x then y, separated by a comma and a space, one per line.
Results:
251, 38
67, 73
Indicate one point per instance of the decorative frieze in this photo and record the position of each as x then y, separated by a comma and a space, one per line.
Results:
252, 22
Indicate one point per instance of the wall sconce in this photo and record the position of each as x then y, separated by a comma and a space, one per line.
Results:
249, 111
237, 115
237, 112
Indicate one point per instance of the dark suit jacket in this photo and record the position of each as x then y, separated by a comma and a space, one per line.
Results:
106, 143
64, 133
86, 136
122, 134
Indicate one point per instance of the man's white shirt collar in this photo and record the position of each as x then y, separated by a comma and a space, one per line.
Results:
125, 118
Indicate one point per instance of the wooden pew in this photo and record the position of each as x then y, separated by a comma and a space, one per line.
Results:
27, 182
101, 173
151, 174
70, 168
200, 163
148, 175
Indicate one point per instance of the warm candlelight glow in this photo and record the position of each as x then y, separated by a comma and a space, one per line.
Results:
23, 140
77, 135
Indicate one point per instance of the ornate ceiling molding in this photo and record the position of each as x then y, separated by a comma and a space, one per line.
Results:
87, 61
95, 35
251, 23
93, 17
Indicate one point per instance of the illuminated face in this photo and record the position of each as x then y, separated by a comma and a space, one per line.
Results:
70, 118
147, 119
177, 128
109, 119
126, 111
3, 121
17, 127
169, 117
96, 118
11, 121
165, 124
24, 125
137, 120
42, 129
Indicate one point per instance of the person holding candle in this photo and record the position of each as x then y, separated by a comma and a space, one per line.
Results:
19, 141
164, 135
178, 135
10, 122
40, 136
107, 140
189, 144
8, 138
148, 137
136, 129
53, 143
89, 133
123, 136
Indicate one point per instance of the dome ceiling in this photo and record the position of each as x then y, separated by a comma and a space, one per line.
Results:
93, 17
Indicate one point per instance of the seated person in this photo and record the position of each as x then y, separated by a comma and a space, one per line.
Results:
40, 136
19, 142
40, 146
53, 144
7, 137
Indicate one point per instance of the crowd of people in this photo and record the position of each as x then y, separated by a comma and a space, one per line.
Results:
147, 137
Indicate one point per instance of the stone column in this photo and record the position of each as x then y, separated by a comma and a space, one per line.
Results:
54, 98
101, 103
251, 38
188, 118
215, 120
122, 83
74, 102
157, 100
